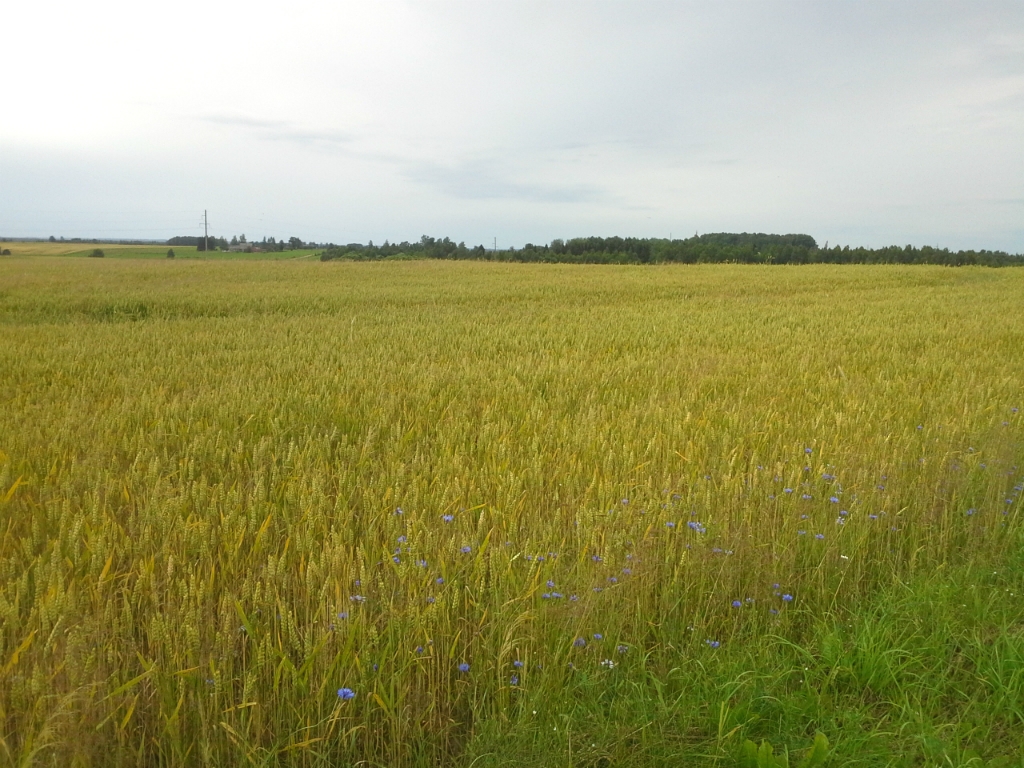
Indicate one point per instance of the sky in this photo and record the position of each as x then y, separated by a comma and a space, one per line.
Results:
860, 123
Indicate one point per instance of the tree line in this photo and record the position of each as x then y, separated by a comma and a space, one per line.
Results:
713, 248
223, 244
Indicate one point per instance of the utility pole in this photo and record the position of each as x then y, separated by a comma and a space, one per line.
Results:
495, 246
206, 233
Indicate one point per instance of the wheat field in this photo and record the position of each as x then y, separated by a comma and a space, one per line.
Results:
435, 513
69, 248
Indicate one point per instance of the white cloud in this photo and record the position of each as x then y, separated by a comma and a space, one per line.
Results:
863, 122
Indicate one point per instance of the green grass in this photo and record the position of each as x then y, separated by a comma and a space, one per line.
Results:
202, 464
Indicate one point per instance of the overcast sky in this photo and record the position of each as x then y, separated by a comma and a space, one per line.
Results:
856, 122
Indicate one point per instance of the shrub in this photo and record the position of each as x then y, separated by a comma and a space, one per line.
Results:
97, 253
5, 252
170, 253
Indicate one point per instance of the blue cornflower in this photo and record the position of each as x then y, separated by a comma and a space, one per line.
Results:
579, 642
787, 598
421, 563
787, 490
670, 524
545, 596
808, 450
401, 539
397, 559
819, 536
540, 558
419, 649
696, 526
712, 643
834, 499
573, 598
463, 667
596, 558
357, 599
807, 496
843, 513
514, 680
872, 517
627, 571
801, 533
343, 615
447, 518
737, 604
431, 600
557, 595
466, 549
971, 511
551, 583
439, 580
345, 694
613, 580
598, 636
517, 664
622, 648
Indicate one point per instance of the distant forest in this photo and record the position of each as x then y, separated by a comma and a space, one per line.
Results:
703, 249
238, 242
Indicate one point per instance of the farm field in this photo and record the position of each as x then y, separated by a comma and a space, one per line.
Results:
125, 251
457, 513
